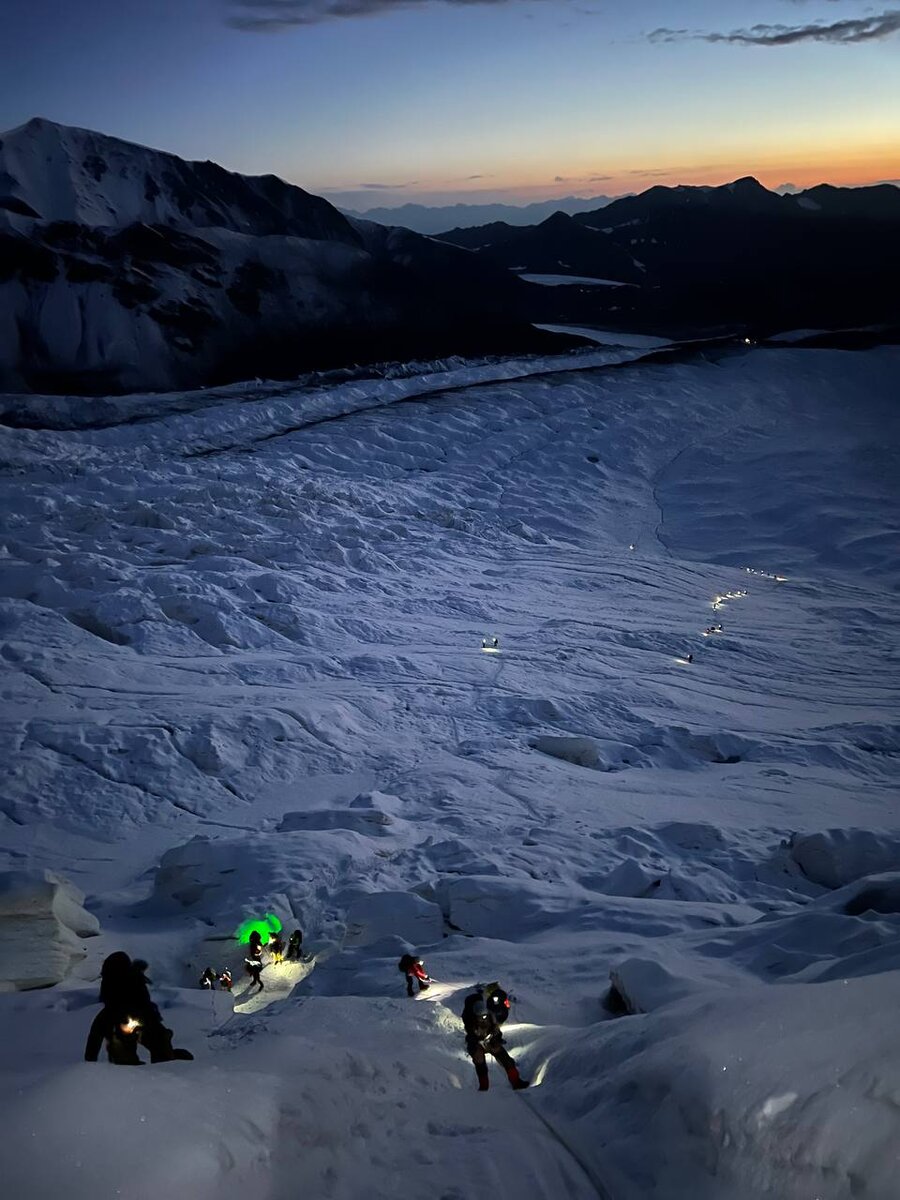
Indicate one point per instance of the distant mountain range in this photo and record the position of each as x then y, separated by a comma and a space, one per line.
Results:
124, 268
710, 257
429, 219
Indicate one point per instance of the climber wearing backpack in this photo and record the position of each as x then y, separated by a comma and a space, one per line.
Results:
497, 1001
414, 970
276, 947
483, 1037
129, 1017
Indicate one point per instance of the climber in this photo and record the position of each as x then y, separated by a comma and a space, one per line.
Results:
414, 969
497, 1001
253, 965
276, 947
483, 1037
128, 1011
225, 980
208, 979
295, 946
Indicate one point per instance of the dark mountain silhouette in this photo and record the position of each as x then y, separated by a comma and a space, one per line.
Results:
559, 245
712, 258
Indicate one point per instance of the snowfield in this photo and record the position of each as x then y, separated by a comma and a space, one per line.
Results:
243, 674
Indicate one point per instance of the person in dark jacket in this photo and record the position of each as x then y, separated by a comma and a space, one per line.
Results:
276, 947
253, 965
295, 946
208, 979
129, 1016
120, 1032
414, 970
497, 1001
483, 1037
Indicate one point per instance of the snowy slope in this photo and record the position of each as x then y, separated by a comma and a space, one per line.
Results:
65, 174
125, 268
243, 674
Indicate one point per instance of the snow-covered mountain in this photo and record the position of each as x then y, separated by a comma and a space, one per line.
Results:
58, 173
123, 267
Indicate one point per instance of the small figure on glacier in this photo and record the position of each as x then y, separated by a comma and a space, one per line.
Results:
491, 643
689, 658
208, 979
483, 1037
276, 947
295, 946
414, 970
253, 964
226, 983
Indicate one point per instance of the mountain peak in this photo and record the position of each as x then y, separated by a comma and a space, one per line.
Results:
63, 173
747, 183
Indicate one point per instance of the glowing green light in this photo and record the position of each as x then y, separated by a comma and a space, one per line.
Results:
262, 925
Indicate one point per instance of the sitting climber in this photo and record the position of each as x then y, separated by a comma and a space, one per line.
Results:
225, 981
120, 1033
414, 970
129, 1016
483, 1037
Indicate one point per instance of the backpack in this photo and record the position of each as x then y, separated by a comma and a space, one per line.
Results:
405, 963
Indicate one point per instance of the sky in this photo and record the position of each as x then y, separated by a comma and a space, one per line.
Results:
382, 102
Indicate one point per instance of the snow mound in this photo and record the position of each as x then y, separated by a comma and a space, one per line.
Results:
641, 985
393, 914
92, 1124
770, 1092
835, 857
42, 922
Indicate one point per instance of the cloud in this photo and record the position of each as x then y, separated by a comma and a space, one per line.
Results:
388, 187
787, 189
560, 179
276, 16
846, 32
599, 178
649, 171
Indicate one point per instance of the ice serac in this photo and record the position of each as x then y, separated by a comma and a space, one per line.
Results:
42, 922
835, 857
